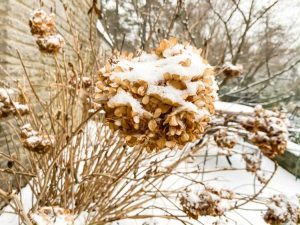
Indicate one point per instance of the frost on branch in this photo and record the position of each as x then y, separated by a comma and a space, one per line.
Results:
207, 202
282, 210
35, 142
269, 131
43, 25
161, 99
52, 216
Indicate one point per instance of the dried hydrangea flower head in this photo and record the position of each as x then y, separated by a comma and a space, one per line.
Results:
225, 138
253, 163
8, 107
159, 99
231, 70
50, 44
282, 210
206, 202
52, 215
269, 131
42, 24
35, 142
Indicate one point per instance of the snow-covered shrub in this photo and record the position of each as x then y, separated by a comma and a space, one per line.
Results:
159, 99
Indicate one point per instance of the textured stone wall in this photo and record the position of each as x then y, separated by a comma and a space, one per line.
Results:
15, 35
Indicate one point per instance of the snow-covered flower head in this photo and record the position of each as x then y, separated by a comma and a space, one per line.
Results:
159, 99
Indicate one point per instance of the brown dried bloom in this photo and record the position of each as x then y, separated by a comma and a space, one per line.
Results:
282, 210
207, 202
50, 44
35, 142
225, 138
9, 107
42, 24
253, 162
231, 70
52, 215
161, 99
269, 131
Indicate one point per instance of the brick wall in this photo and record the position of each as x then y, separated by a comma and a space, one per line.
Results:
15, 34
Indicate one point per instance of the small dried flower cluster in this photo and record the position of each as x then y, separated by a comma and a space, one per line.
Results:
253, 165
231, 70
162, 99
35, 142
52, 215
43, 25
269, 131
207, 202
8, 107
225, 138
282, 210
